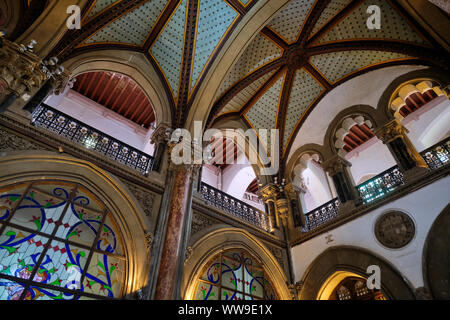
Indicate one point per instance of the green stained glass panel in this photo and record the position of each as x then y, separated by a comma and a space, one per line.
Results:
206, 291
19, 253
105, 276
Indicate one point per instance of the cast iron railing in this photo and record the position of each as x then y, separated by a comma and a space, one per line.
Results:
321, 215
438, 155
53, 120
235, 207
378, 187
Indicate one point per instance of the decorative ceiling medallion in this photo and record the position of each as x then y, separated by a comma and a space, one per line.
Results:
394, 229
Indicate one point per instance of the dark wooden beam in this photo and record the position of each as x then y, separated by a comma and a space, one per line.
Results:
269, 33
334, 21
161, 23
73, 38
318, 76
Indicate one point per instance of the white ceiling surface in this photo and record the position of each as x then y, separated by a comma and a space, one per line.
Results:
366, 89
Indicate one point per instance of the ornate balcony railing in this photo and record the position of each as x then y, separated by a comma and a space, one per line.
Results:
71, 129
322, 214
438, 155
235, 207
378, 187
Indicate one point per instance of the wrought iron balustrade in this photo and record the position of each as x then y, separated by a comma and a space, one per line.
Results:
71, 129
438, 155
322, 214
379, 186
235, 207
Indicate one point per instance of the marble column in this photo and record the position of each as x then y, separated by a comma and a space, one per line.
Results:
172, 245
339, 170
295, 195
394, 135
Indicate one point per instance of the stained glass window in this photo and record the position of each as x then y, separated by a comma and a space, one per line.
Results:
58, 242
234, 275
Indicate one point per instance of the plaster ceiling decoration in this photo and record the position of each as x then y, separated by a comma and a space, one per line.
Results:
304, 91
331, 10
260, 52
290, 19
336, 65
131, 28
393, 25
244, 96
316, 45
168, 49
214, 19
263, 115
99, 6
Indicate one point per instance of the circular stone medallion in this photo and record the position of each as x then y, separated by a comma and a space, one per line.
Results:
394, 229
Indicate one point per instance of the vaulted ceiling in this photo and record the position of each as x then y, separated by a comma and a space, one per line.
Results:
309, 48
306, 50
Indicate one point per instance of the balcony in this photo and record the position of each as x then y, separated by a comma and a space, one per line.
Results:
234, 207
80, 133
378, 188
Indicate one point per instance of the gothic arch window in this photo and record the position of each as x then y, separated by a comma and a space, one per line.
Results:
234, 275
58, 241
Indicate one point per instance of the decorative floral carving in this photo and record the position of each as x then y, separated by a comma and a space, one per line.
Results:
12, 142
200, 222
146, 199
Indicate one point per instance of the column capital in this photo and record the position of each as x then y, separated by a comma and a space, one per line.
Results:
268, 192
161, 134
335, 164
390, 131
20, 69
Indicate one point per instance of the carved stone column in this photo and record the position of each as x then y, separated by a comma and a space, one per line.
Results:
160, 137
297, 212
55, 85
269, 194
409, 161
339, 170
172, 250
20, 73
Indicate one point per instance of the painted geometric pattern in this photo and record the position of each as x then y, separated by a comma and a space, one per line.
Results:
47, 239
338, 64
354, 26
168, 49
289, 21
263, 114
259, 52
333, 8
304, 91
100, 5
246, 94
133, 27
215, 16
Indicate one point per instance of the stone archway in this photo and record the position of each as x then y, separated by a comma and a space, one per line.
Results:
356, 261
436, 258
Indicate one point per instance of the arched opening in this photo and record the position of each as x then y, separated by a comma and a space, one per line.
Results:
423, 107
313, 182
230, 171
234, 274
111, 103
58, 241
344, 285
68, 231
